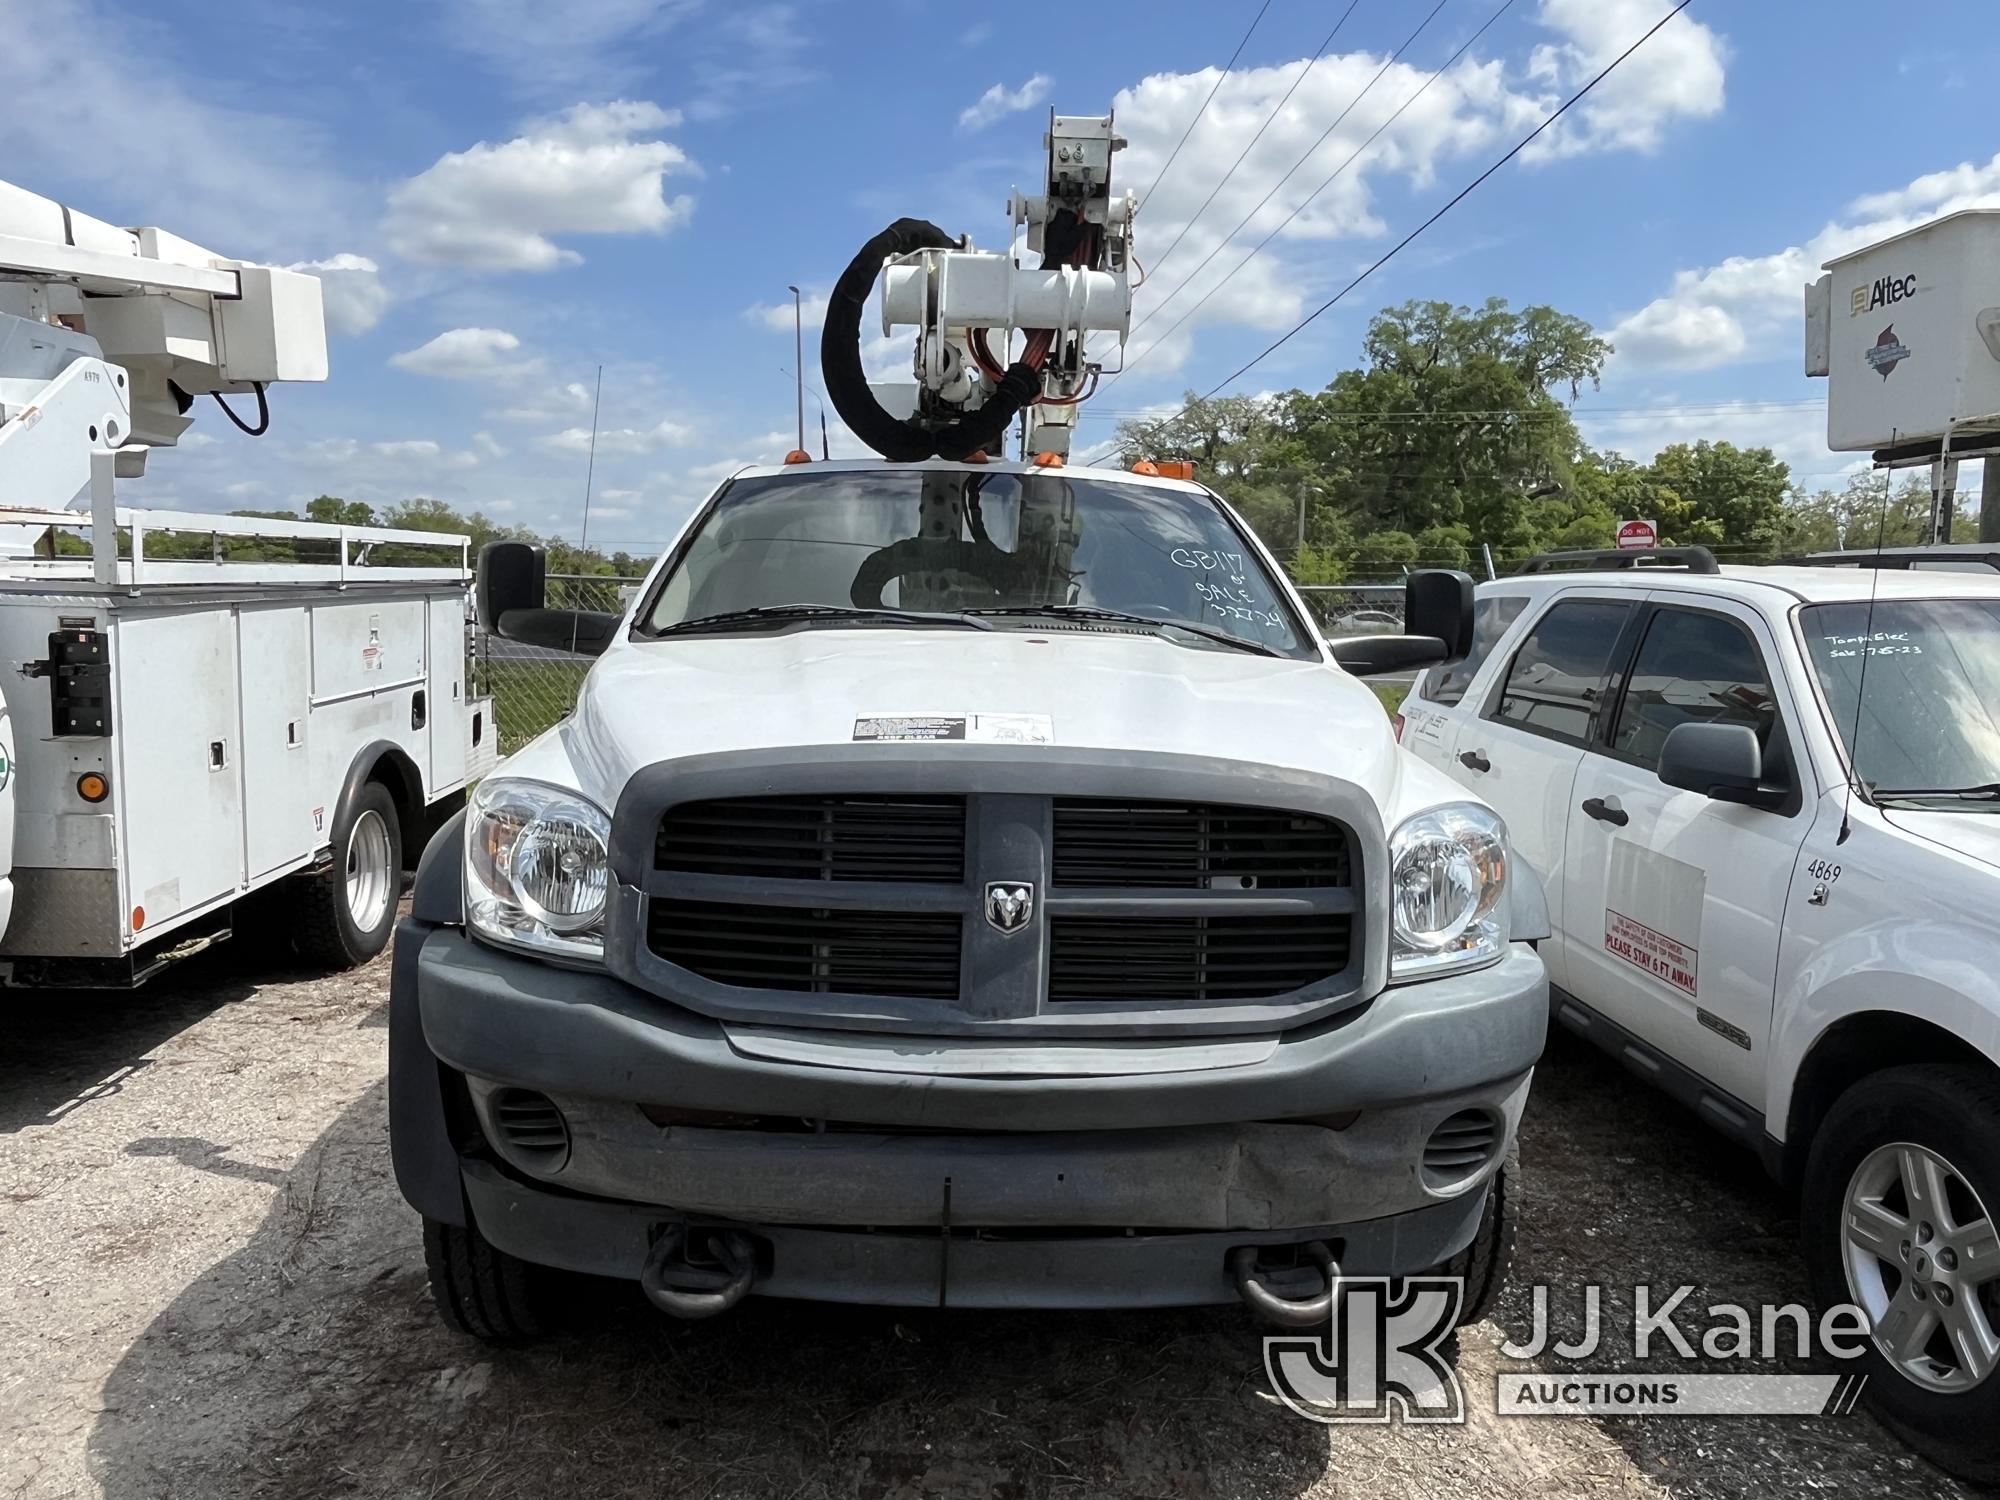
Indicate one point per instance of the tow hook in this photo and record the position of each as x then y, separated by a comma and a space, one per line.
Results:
1293, 1312
682, 1288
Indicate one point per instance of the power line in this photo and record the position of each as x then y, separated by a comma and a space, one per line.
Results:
1305, 203
1459, 197
1276, 110
1227, 67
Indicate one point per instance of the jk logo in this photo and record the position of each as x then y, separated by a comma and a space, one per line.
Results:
1379, 1358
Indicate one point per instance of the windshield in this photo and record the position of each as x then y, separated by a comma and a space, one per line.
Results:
941, 541
1932, 693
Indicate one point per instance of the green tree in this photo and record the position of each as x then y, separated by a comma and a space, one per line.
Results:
1716, 494
337, 512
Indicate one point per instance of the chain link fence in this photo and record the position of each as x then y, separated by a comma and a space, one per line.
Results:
532, 686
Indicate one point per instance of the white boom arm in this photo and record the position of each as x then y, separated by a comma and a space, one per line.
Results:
107, 334
957, 299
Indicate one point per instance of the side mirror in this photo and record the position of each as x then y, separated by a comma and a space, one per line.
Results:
509, 600
1437, 614
1720, 761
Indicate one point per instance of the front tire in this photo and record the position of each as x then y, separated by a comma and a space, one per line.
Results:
483, 1292
1483, 1265
1895, 1217
346, 912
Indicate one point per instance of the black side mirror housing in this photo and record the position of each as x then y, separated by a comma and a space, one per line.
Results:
1720, 761
1438, 602
509, 600
1437, 614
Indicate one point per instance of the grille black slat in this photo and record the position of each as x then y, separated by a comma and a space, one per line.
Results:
1191, 958
910, 954
1101, 842
886, 838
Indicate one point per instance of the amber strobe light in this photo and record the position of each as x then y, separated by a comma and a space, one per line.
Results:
92, 787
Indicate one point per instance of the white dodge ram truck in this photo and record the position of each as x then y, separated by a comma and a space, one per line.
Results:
969, 885
1766, 803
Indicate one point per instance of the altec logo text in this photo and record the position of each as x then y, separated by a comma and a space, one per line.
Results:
1883, 291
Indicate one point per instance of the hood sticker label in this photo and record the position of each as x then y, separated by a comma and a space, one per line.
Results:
976, 729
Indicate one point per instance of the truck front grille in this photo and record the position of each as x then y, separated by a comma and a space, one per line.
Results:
863, 896
1202, 958
907, 839
910, 954
1103, 842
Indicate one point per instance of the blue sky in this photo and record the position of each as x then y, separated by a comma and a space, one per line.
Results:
505, 195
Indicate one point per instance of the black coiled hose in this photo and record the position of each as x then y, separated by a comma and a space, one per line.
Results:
847, 383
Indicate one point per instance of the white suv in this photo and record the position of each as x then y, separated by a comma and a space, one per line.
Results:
1810, 962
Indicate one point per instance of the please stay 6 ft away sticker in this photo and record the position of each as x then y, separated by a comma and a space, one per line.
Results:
977, 729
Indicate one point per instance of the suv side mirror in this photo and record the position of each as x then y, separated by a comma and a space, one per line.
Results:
509, 597
1720, 761
1438, 619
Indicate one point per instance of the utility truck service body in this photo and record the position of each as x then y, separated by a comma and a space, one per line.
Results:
963, 884
174, 745
178, 732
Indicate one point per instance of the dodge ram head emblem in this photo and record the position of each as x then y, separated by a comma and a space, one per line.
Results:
1009, 904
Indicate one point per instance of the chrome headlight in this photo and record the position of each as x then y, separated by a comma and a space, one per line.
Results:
537, 868
1448, 882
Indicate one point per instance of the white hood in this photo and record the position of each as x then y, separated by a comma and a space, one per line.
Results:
1972, 833
648, 701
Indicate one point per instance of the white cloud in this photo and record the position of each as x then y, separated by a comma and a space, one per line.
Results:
562, 51
1000, 101
412, 457
778, 315
665, 433
1749, 305
351, 288
595, 169
467, 354
1677, 75
564, 403
1310, 183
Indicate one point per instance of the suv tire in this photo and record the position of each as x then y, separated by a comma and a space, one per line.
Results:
1483, 1265
481, 1291
346, 912
1948, 1115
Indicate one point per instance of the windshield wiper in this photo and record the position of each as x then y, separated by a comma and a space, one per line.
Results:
1988, 792
762, 613
1158, 622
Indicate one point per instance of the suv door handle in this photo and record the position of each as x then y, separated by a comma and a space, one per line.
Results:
1474, 760
1606, 812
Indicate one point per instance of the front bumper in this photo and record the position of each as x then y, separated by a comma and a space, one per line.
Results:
1051, 1174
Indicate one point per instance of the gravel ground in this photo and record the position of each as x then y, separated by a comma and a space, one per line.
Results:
210, 1288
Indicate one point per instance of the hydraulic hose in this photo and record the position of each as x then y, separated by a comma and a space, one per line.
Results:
847, 383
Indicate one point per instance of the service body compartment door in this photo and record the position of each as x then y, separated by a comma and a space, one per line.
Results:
450, 725
180, 799
366, 646
275, 647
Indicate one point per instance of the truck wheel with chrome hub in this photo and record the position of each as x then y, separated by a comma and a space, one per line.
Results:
346, 911
1896, 1217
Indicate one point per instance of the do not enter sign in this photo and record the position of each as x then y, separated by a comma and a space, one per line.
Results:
1637, 535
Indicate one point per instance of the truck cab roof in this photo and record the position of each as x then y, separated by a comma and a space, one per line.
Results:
1773, 588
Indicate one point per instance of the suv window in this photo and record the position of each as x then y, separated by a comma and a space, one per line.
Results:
1555, 684
1692, 668
1491, 617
